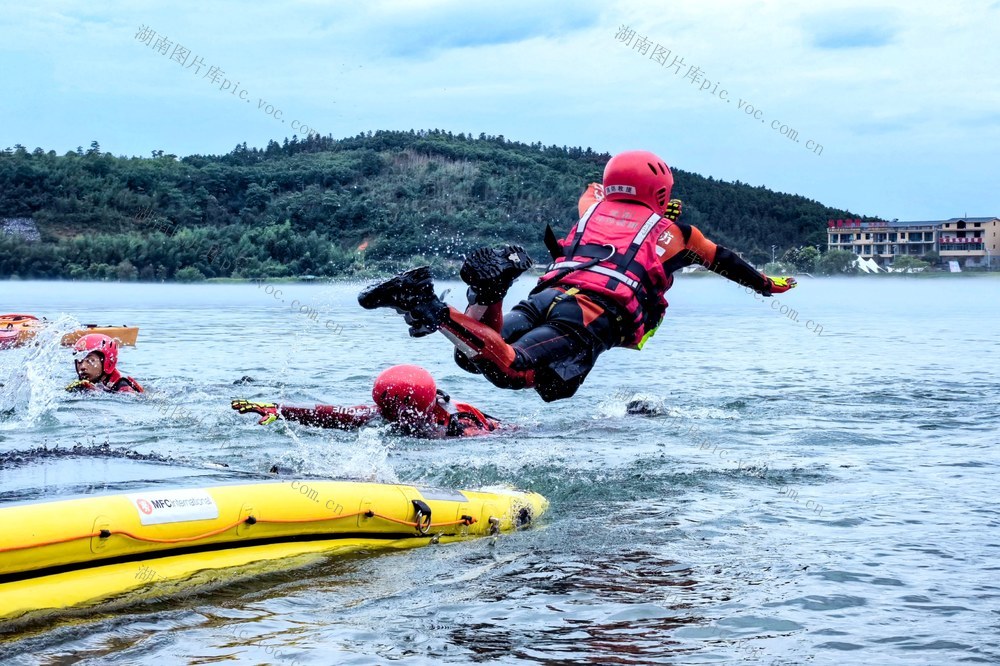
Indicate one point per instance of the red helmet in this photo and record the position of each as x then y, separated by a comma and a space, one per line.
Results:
108, 348
404, 389
638, 175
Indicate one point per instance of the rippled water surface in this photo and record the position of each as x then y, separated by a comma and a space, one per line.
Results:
821, 487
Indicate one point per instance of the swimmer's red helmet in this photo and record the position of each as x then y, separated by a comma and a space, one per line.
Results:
97, 342
404, 390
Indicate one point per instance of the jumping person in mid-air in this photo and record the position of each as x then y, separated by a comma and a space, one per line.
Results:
604, 289
405, 396
95, 357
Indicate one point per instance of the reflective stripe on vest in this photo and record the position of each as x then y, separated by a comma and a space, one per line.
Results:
629, 257
609, 272
582, 224
640, 237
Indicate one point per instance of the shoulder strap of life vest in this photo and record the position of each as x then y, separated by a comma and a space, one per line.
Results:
581, 227
129, 382
627, 261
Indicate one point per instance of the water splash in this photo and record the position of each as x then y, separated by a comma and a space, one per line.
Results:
33, 377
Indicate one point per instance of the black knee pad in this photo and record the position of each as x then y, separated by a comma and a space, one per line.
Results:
466, 363
501, 380
550, 387
521, 361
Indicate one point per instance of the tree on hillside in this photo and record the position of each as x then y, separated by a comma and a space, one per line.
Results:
304, 204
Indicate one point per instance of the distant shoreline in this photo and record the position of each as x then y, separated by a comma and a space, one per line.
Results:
368, 278
929, 274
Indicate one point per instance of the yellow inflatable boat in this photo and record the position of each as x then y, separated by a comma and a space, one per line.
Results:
60, 555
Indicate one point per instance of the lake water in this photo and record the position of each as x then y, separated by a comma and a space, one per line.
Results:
822, 488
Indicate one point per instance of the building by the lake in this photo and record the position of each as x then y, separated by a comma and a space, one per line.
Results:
971, 241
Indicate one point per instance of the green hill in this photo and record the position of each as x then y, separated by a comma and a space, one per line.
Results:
306, 206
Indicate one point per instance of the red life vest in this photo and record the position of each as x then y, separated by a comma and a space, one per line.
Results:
115, 382
612, 252
461, 419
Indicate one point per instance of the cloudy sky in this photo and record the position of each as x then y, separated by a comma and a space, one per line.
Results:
903, 98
